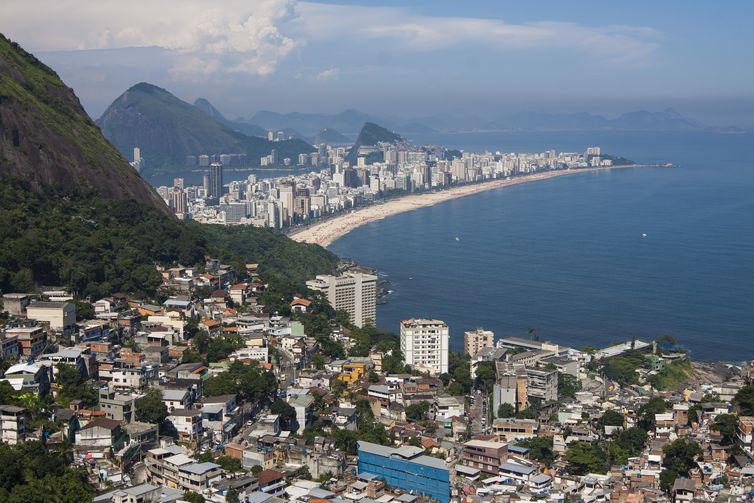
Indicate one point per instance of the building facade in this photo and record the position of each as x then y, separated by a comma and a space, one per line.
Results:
354, 293
425, 345
474, 340
406, 468
485, 455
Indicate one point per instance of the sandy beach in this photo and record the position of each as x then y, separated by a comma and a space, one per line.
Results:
328, 231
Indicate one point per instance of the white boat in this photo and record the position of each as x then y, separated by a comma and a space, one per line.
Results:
457, 238
643, 235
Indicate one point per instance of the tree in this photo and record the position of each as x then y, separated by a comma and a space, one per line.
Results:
647, 412
632, 440
611, 418
486, 374
622, 368
28, 473
189, 356
84, 310
694, 413
667, 479
75, 386
192, 497
304, 473
151, 408
680, 456
417, 412
232, 495
744, 400
726, 424
229, 464
318, 361
586, 457
285, 411
540, 449
256, 469
568, 385
506, 410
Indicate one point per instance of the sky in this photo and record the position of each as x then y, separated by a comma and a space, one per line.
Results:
409, 59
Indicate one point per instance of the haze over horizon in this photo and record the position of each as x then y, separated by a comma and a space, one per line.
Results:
428, 58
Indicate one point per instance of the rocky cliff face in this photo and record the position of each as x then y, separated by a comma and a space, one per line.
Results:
48, 140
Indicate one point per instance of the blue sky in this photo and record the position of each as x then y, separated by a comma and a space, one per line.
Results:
416, 58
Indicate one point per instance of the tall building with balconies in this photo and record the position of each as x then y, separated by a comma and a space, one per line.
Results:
424, 344
354, 293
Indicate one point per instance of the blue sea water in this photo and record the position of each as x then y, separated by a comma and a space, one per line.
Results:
566, 256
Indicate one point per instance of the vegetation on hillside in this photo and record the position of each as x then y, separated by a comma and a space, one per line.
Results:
47, 138
29, 473
97, 246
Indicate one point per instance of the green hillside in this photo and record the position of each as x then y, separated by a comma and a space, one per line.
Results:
46, 138
74, 213
167, 129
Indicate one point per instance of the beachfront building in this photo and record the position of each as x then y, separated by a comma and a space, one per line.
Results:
354, 293
424, 344
406, 468
474, 340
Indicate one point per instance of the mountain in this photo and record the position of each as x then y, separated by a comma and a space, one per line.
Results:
370, 136
348, 121
667, 119
46, 138
74, 213
242, 127
167, 130
330, 136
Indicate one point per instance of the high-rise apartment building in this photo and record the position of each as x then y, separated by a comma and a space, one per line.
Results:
354, 293
425, 345
215, 179
179, 202
474, 340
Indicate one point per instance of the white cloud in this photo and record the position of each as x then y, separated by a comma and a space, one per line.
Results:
238, 35
329, 74
402, 31
253, 37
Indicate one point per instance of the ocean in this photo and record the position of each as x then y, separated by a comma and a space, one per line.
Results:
566, 260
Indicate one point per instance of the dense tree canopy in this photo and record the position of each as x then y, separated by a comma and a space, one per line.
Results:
540, 449
744, 399
247, 381
97, 246
417, 412
568, 386
726, 424
151, 408
586, 457
506, 410
29, 474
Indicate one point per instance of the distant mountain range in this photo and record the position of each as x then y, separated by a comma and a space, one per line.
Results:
666, 120
234, 125
167, 130
349, 122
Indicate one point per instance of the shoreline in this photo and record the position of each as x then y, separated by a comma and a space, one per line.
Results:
328, 231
